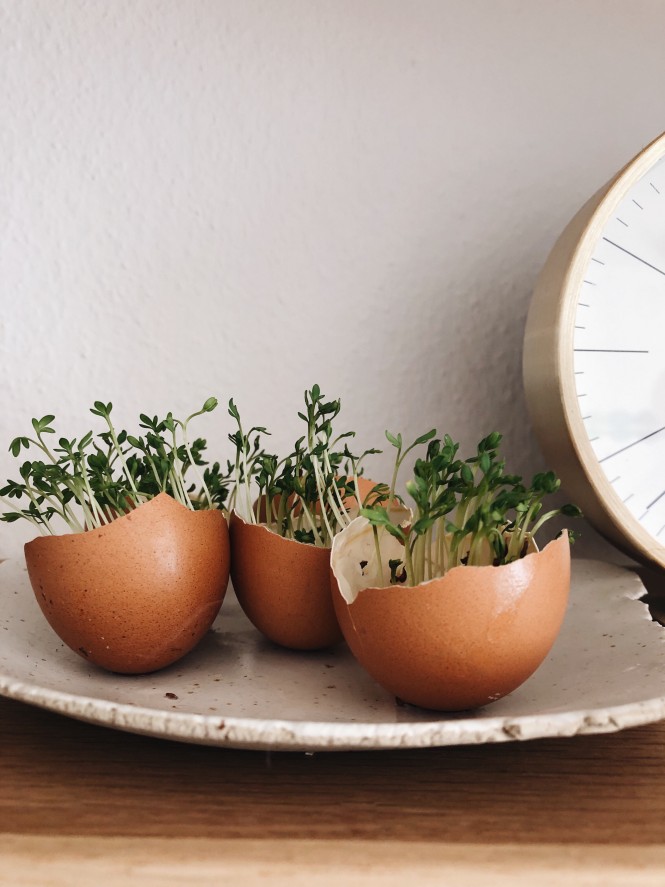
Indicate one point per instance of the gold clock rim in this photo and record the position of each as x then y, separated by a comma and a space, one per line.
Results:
548, 367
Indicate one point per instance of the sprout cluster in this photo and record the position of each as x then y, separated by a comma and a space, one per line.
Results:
466, 511
308, 494
90, 481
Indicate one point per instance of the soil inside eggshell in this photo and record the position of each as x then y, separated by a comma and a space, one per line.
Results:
139, 593
460, 641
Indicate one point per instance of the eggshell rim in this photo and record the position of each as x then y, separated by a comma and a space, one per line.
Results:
116, 520
448, 573
266, 528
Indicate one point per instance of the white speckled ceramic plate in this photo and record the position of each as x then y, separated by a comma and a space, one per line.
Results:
606, 672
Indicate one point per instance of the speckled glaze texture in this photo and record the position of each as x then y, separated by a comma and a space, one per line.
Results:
605, 673
139, 593
466, 639
283, 587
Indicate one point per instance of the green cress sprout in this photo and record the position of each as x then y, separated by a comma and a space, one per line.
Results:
305, 495
90, 481
466, 512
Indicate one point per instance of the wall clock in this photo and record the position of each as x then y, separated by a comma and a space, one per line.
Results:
594, 358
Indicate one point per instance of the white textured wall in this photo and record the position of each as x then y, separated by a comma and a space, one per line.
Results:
242, 198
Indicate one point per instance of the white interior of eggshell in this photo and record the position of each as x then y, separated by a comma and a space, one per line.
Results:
354, 560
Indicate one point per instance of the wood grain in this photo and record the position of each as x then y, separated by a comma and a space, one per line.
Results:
63, 778
156, 862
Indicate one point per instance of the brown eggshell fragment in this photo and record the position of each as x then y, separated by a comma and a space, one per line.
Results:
463, 640
139, 593
283, 586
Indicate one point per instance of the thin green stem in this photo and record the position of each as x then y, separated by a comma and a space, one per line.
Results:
408, 562
311, 523
320, 486
191, 458
43, 526
393, 482
42, 446
377, 552
121, 456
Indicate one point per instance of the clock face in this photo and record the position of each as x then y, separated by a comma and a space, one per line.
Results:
619, 351
594, 358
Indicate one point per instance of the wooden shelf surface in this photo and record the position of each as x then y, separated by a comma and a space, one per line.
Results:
85, 804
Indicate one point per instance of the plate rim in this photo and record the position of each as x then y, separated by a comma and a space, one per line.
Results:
324, 735
319, 736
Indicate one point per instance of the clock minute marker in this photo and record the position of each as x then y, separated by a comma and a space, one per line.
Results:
633, 444
628, 253
614, 262
657, 499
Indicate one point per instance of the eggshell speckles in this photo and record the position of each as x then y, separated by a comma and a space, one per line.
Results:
463, 640
283, 587
139, 593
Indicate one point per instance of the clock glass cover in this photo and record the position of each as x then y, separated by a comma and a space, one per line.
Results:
619, 351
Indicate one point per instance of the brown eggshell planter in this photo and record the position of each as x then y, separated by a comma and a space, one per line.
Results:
466, 639
283, 586
139, 593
